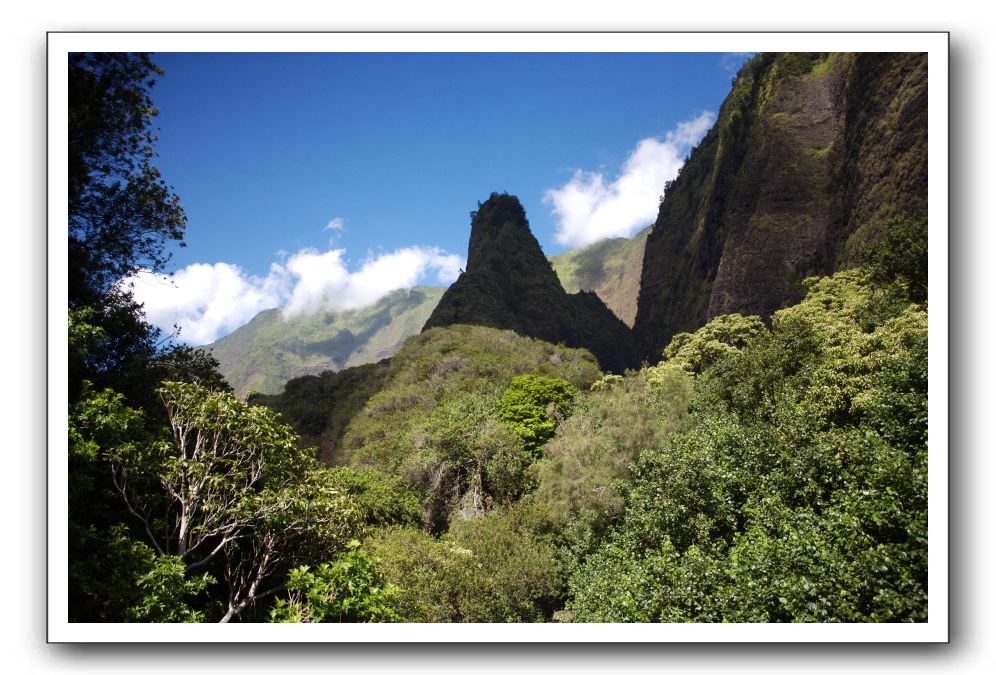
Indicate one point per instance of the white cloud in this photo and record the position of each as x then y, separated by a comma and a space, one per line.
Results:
322, 279
336, 224
589, 207
208, 301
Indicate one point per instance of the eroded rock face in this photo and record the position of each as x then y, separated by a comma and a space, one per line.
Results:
780, 207
510, 284
809, 158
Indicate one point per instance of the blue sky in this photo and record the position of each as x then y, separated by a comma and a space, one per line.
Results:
352, 166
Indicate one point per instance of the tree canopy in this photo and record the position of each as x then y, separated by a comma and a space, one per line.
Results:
122, 214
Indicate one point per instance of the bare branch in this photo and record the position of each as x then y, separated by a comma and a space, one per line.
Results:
121, 486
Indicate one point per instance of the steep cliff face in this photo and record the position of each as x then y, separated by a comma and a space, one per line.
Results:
510, 284
810, 156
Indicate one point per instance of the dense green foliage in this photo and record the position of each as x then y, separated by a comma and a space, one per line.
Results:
901, 254
582, 481
444, 364
224, 489
800, 493
757, 473
122, 579
320, 406
486, 569
381, 499
533, 405
436, 421
717, 339
349, 589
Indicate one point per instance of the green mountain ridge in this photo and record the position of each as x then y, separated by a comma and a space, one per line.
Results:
268, 351
610, 268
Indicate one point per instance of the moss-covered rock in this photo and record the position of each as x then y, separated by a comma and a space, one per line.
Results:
810, 157
510, 284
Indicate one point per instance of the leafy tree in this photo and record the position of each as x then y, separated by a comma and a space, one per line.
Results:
697, 351
122, 214
901, 254
350, 589
533, 405
230, 485
122, 218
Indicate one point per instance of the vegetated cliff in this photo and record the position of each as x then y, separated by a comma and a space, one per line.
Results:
809, 158
510, 284
269, 350
610, 268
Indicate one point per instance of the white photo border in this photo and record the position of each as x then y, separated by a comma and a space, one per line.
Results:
935, 44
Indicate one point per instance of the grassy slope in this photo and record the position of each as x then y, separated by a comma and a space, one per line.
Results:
611, 268
268, 351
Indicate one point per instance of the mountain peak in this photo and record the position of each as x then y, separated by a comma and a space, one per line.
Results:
500, 218
510, 284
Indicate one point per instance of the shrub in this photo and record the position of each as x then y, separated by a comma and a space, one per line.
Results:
533, 406
487, 569
348, 589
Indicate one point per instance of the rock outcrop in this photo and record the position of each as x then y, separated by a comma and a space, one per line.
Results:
809, 158
510, 284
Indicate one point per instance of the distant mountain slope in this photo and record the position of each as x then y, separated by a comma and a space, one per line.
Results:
510, 284
262, 355
810, 157
610, 268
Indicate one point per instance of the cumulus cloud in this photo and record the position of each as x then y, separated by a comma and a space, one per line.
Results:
209, 301
206, 301
336, 224
589, 207
322, 279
